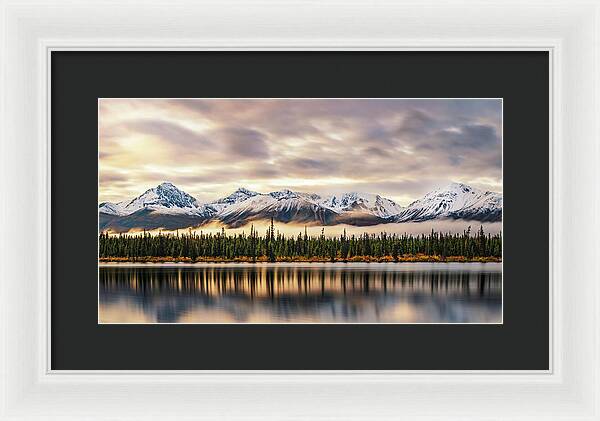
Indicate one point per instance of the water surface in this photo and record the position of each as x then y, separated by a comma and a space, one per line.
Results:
301, 293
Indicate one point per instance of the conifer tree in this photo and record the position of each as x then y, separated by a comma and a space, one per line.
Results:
277, 246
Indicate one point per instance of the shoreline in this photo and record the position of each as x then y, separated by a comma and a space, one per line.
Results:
262, 259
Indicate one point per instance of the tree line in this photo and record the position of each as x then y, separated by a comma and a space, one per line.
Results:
274, 246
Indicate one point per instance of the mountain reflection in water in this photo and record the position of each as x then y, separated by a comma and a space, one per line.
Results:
301, 293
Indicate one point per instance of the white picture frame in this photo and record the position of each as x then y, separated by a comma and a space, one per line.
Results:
568, 30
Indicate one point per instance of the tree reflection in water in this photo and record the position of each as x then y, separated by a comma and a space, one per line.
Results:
296, 293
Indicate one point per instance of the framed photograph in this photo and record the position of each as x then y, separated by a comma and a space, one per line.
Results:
338, 212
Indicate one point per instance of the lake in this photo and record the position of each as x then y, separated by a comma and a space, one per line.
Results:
301, 293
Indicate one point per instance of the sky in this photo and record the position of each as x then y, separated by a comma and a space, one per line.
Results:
397, 148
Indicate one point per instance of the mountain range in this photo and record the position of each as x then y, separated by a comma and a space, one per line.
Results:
166, 206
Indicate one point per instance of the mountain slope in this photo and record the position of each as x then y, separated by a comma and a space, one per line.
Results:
237, 196
164, 198
455, 201
149, 219
163, 206
283, 206
362, 202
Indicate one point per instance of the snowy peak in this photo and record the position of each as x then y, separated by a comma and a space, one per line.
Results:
362, 202
165, 195
237, 196
282, 200
283, 206
244, 191
455, 195
456, 200
165, 198
111, 208
458, 187
284, 194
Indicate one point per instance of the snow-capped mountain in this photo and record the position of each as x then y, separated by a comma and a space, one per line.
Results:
309, 208
109, 208
164, 198
456, 201
362, 202
165, 206
283, 206
237, 196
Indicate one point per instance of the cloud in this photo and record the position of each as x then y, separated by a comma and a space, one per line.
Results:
311, 166
400, 148
416, 122
203, 107
169, 132
375, 151
112, 177
244, 143
471, 136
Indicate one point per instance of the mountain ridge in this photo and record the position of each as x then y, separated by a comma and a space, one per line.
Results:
166, 206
